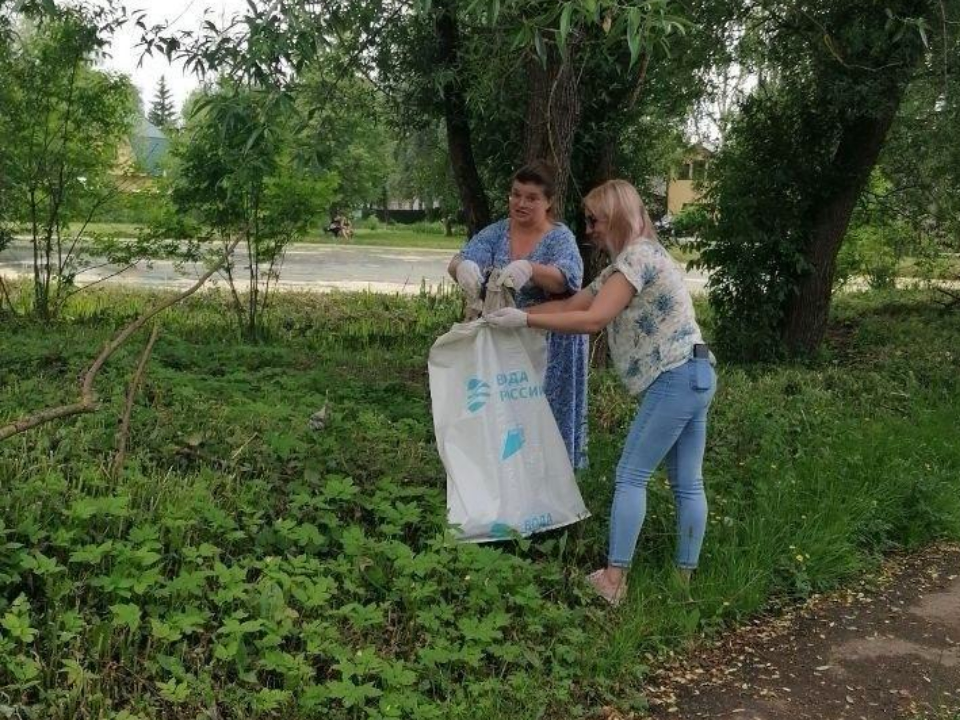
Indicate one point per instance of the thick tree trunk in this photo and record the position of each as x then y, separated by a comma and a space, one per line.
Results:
603, 166
552, 115
472, 196
807, 312
602, 169
862, 139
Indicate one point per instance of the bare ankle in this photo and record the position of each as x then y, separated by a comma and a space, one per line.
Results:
614, 575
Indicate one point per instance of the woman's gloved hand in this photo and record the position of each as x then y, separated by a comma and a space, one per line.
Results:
516, 274
507, 318
469, 279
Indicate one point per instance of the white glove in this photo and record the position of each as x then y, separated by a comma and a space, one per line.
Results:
516, 274
468, 278
507, 318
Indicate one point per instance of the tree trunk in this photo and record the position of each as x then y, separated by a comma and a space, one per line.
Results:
808, 310
472, 196
604, 166
552, 115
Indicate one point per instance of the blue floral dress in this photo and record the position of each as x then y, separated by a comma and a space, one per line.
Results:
566, 380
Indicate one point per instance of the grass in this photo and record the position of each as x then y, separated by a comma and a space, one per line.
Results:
946, 267
247, 562
942, 713
420, 236
425, 236
394, 236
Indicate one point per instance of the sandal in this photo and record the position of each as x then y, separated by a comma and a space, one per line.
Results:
613, 595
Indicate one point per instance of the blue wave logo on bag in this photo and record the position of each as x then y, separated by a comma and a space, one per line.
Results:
501, 530
478, 392
513, 443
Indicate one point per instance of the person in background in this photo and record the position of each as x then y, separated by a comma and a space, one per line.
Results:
538, 258
659, 354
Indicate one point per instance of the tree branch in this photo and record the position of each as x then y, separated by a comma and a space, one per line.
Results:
65, 298
124, 432
953, 300
88, 398
6, 296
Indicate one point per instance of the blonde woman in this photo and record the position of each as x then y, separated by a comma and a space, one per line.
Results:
658, 352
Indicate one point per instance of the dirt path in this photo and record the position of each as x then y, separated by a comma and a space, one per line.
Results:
888, 649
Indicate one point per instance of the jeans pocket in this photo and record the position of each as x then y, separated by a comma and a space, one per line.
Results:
702, 375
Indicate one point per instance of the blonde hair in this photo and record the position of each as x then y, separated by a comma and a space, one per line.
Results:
619, 203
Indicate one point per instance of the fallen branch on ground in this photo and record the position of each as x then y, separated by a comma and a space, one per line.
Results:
88, 397
953, 302
124, 431
6, 296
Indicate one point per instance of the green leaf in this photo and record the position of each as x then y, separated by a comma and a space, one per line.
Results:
565, 24
19, 627
162, 631
174, 692
350, 694
493, 11
540, 47
41, 565
633, 35
126, 614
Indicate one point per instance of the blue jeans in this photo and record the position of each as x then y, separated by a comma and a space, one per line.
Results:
671, 423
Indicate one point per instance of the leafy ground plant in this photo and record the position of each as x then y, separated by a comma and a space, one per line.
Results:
248, 563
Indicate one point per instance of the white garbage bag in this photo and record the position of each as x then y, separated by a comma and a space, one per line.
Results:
507, 467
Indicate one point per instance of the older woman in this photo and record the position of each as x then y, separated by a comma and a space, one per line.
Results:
659, 354
538, 257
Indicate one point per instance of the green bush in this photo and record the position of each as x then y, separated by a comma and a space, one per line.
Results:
761, 204
690, 221
427, 228
880, 246
371, 222
135, 208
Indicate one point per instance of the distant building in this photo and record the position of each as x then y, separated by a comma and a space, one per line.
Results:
412, 204
682, 187
140, 157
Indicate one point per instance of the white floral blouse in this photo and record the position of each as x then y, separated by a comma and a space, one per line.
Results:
656, 332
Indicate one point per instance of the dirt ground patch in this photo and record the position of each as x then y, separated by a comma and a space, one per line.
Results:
889, 648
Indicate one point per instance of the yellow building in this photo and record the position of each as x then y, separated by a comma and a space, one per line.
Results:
682, 187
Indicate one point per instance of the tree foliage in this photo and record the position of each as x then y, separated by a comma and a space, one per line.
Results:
797, 159
235, 174
162, 112
62, 123
921, 162
423, 171
342, 129
506, 78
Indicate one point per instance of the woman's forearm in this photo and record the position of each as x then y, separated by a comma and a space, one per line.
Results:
549, 278
581, 301
571, 323
547, 308
584, 313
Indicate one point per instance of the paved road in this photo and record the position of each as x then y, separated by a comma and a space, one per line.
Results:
309, 267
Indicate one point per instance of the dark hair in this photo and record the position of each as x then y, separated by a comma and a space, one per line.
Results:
539, 172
